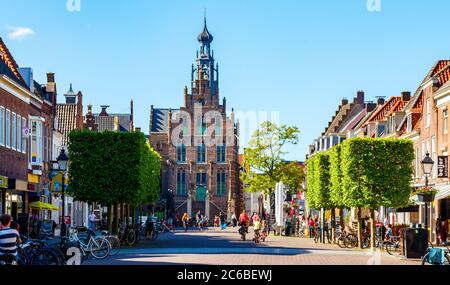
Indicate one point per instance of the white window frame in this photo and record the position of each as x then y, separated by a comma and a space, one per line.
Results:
8, 129
434, 156
13, 131
445, 121
409, 123
428, 111
19, 133
39, 142
2, 125
24, 139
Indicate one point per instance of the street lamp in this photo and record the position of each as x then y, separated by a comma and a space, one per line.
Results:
62, 164
427, 168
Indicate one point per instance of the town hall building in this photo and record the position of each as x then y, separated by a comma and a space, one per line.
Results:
198, 144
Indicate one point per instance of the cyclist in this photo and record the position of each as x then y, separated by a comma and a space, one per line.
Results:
244, 220
388, 234
264, 230
199, 219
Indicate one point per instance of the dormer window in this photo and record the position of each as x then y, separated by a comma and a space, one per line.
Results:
409, 123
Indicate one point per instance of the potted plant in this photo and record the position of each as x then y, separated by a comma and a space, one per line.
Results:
426, 194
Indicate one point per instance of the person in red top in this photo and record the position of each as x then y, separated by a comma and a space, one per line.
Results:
244, 220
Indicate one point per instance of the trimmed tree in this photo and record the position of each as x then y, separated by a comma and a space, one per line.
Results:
112, 168
376, 172
336, 188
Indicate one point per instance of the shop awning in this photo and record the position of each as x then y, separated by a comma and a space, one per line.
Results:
409, 209
38, 205
444, 192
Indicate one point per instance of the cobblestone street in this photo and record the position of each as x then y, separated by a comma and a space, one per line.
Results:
215, 247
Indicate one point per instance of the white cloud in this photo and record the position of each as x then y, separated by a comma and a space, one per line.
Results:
20, 33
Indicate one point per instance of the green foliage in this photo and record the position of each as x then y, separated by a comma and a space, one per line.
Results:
336, 187
319, 181
112, 167
263, 159
376, 172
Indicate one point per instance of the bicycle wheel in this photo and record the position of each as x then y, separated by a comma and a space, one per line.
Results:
392, 248
115, 245
351, 241
45, 257
155, 235
425, 260
131, 238
100, 248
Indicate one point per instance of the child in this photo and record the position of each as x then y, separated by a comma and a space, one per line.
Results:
216, 221
265, 230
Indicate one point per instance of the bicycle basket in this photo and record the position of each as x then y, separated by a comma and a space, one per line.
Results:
436, 256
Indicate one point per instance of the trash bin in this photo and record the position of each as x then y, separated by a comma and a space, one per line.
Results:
415, 243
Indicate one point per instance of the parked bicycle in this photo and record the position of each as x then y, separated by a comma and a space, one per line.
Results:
98, 246
437, 256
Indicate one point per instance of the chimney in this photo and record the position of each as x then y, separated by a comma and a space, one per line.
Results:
380, 100
359, 97
406, 96
370, 106
103, 112
224, 103
344, 101
138, 130
50, 77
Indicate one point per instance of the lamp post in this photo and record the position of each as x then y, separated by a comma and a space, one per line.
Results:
62, 164
427, 167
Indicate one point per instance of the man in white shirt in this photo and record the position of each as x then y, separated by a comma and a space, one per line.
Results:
92, 219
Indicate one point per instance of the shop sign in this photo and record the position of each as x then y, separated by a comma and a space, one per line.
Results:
33, 178
442, 166
3, 182
16, 184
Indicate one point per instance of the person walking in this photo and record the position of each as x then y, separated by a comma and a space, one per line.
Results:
185, 220
92, 219
223, 225
199, 220
234, 220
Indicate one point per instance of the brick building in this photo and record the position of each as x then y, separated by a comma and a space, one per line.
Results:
198, 143
27, 112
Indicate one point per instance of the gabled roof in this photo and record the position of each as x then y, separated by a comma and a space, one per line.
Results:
380, 113
160, 120
8, 65
67, 115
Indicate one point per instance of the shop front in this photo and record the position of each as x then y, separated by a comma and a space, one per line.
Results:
16, 198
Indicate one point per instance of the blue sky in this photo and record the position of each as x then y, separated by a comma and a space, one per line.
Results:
299, 58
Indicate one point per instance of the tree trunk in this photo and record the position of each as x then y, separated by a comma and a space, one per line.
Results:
333, 225
122, 212
128, 214
323, 224
341, 219
372, 229
116, 219
359, 228
110, 224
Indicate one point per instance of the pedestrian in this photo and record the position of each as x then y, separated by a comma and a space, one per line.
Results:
445, 231
216, 221
9, 238
234, 220
311, 225
185, 221
255, 217
199, 220
92, 219
223, 225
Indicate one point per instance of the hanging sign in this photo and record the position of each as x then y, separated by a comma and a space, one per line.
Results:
442, 166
